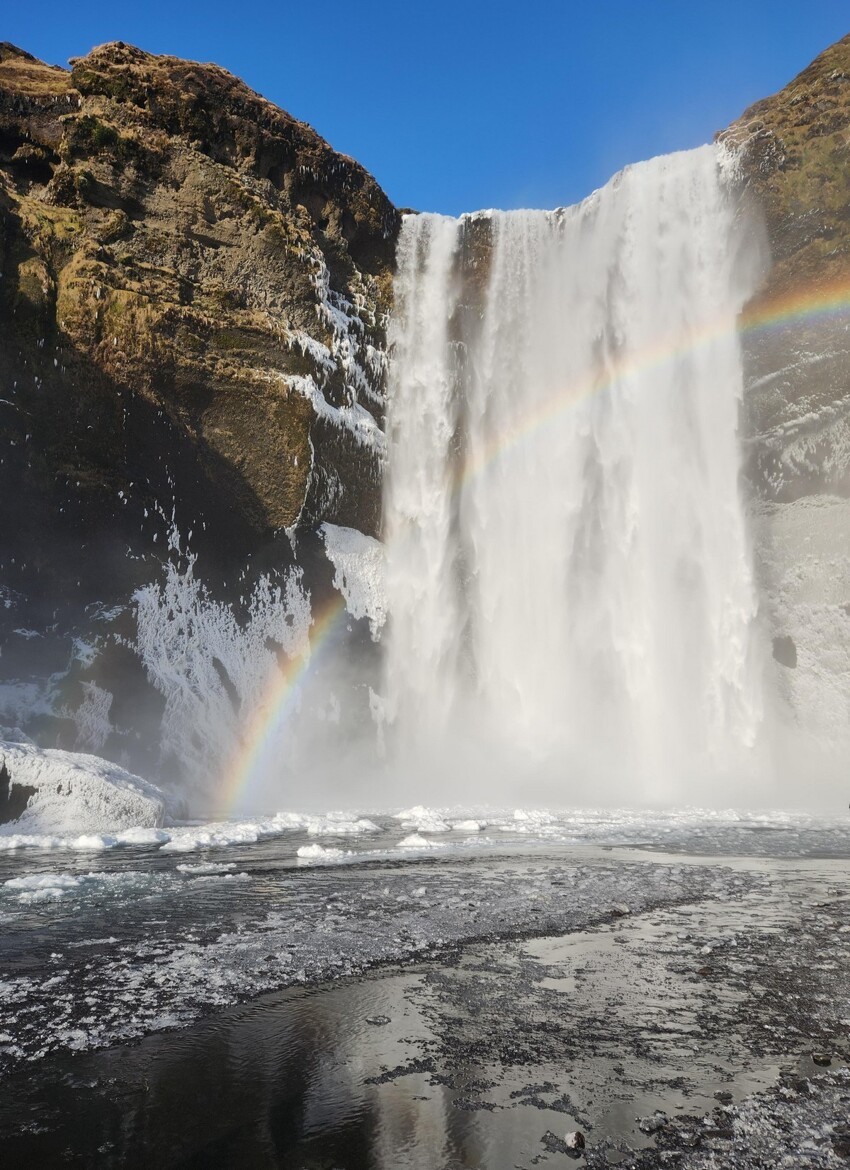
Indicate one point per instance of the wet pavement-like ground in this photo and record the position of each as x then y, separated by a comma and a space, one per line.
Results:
445, 1013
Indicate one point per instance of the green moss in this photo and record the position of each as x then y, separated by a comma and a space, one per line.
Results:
87, 135
85, 184
224, 298
30, 288
89, 82
191, 342
117, 226
115, 308
796, 154
226, 339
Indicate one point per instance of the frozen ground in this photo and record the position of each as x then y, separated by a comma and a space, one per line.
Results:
563, 971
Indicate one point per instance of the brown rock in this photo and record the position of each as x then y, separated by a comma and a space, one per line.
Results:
178, 257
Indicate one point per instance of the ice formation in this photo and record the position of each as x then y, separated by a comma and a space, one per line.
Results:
72, 793
214, 669
358, 562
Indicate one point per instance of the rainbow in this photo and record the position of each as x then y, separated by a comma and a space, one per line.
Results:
813, 306
252, 757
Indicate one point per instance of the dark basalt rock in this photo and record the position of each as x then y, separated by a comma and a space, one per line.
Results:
785, 651
14, 798
572, 1144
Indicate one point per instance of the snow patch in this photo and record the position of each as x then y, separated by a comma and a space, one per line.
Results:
201, 656
77, 794
358, 562
354, 418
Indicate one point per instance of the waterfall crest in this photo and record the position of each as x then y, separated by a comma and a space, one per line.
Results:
569, 575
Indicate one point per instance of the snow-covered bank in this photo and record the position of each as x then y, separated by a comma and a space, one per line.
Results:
50, 793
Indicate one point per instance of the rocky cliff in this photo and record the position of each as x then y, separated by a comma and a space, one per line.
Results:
795, 153
192, 337
192, 306
795, 150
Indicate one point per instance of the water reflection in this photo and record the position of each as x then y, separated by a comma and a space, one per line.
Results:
297, 1080
459, 1065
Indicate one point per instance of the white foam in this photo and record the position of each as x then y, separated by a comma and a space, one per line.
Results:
529, 826
207, 867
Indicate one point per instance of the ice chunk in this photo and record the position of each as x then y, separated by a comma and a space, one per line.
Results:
424, 820
318, 853
48, 887
417, 841
142, 836
42, 886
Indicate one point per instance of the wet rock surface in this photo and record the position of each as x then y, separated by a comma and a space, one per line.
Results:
801, 1122
795, 425
794, 158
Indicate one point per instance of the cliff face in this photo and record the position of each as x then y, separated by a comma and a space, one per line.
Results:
795, 152
193, 302
192, 307
193, 296
795, 148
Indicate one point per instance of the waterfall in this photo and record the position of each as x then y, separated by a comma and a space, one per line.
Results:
569, 575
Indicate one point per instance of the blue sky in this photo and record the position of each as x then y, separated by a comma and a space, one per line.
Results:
455, 106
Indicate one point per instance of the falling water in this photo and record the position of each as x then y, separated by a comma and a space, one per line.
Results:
569, 575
